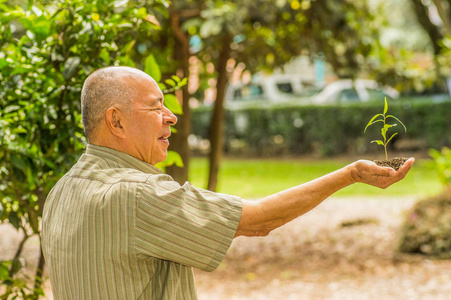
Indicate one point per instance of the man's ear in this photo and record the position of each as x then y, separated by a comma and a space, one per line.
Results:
113, 121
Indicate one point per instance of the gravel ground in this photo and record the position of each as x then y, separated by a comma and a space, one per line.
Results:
343, 249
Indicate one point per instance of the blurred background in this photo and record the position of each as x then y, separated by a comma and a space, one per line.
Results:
269, 94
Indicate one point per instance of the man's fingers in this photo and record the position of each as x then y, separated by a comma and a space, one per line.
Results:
404, 169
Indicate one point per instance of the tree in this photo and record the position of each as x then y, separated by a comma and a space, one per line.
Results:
181, 54
266, 34
46, 52
436, 31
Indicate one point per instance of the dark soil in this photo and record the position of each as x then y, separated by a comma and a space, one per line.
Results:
394, 163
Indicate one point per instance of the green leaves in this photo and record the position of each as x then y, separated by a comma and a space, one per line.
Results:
372, 121
173, 158
393, 117
442, 163
151, 68
385, 107
385, 128
379, 142
43, 64
172, 103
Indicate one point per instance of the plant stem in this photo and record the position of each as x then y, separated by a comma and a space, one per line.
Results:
386, 156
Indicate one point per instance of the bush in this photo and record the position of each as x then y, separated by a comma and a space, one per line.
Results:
427, 229
326, 130
442, 164
46, 52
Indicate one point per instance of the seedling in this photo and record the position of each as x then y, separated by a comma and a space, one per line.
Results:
383, 118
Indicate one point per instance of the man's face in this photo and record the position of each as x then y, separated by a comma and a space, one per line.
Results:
147, 125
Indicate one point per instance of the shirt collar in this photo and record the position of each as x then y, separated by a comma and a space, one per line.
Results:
122, 159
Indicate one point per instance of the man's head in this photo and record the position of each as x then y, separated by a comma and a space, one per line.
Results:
123, 109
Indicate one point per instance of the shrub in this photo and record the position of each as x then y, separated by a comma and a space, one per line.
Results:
46, 52
427, 229
442, 164
325, 130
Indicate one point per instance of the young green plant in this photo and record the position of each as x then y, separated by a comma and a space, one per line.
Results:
383, 118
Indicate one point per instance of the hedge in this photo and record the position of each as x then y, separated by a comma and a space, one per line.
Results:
328, 130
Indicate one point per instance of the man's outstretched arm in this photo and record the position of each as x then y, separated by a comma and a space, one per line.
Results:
260, 217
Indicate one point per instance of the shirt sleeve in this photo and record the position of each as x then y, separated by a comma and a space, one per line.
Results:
185, 224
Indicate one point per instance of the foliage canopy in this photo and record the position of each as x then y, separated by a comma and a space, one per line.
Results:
46, 52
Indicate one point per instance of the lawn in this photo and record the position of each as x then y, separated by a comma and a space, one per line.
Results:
253, 178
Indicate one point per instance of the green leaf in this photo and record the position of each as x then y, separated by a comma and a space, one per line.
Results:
48, 163
14, 219
162, 86
170, 82
379, 142
21, 69
371, 121
172, 103
19, 163
42, 26
175, 78
384, 132
152, 68
30, 4
388, 126
173, 158
7, 17
3, 63
391, 137
385, 106
4, 271
16, 266
105, 55
390, 116
11, 108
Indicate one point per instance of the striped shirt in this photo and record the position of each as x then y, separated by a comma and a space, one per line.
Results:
115, 227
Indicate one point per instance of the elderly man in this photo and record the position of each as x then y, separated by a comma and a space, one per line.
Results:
116, 227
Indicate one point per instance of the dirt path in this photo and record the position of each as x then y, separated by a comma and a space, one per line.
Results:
343, 249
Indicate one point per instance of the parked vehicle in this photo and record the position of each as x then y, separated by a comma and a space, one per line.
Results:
348, 91
264, 90
271, 90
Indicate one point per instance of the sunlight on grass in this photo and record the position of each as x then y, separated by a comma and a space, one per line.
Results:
254, 178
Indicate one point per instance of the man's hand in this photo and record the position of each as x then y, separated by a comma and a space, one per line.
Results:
368, 172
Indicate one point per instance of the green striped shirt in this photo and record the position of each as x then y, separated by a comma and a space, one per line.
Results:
115, 227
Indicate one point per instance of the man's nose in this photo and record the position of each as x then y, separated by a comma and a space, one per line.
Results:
168, 117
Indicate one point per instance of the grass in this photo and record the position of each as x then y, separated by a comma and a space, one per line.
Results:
254, 178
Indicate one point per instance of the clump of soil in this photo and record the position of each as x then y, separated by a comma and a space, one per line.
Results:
394, 163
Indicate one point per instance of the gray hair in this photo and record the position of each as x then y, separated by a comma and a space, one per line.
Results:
103, 89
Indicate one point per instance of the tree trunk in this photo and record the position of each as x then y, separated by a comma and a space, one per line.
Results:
18, 251
217, 119
179, 141
422, 14
444, 15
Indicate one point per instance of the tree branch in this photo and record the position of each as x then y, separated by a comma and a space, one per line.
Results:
444, 14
